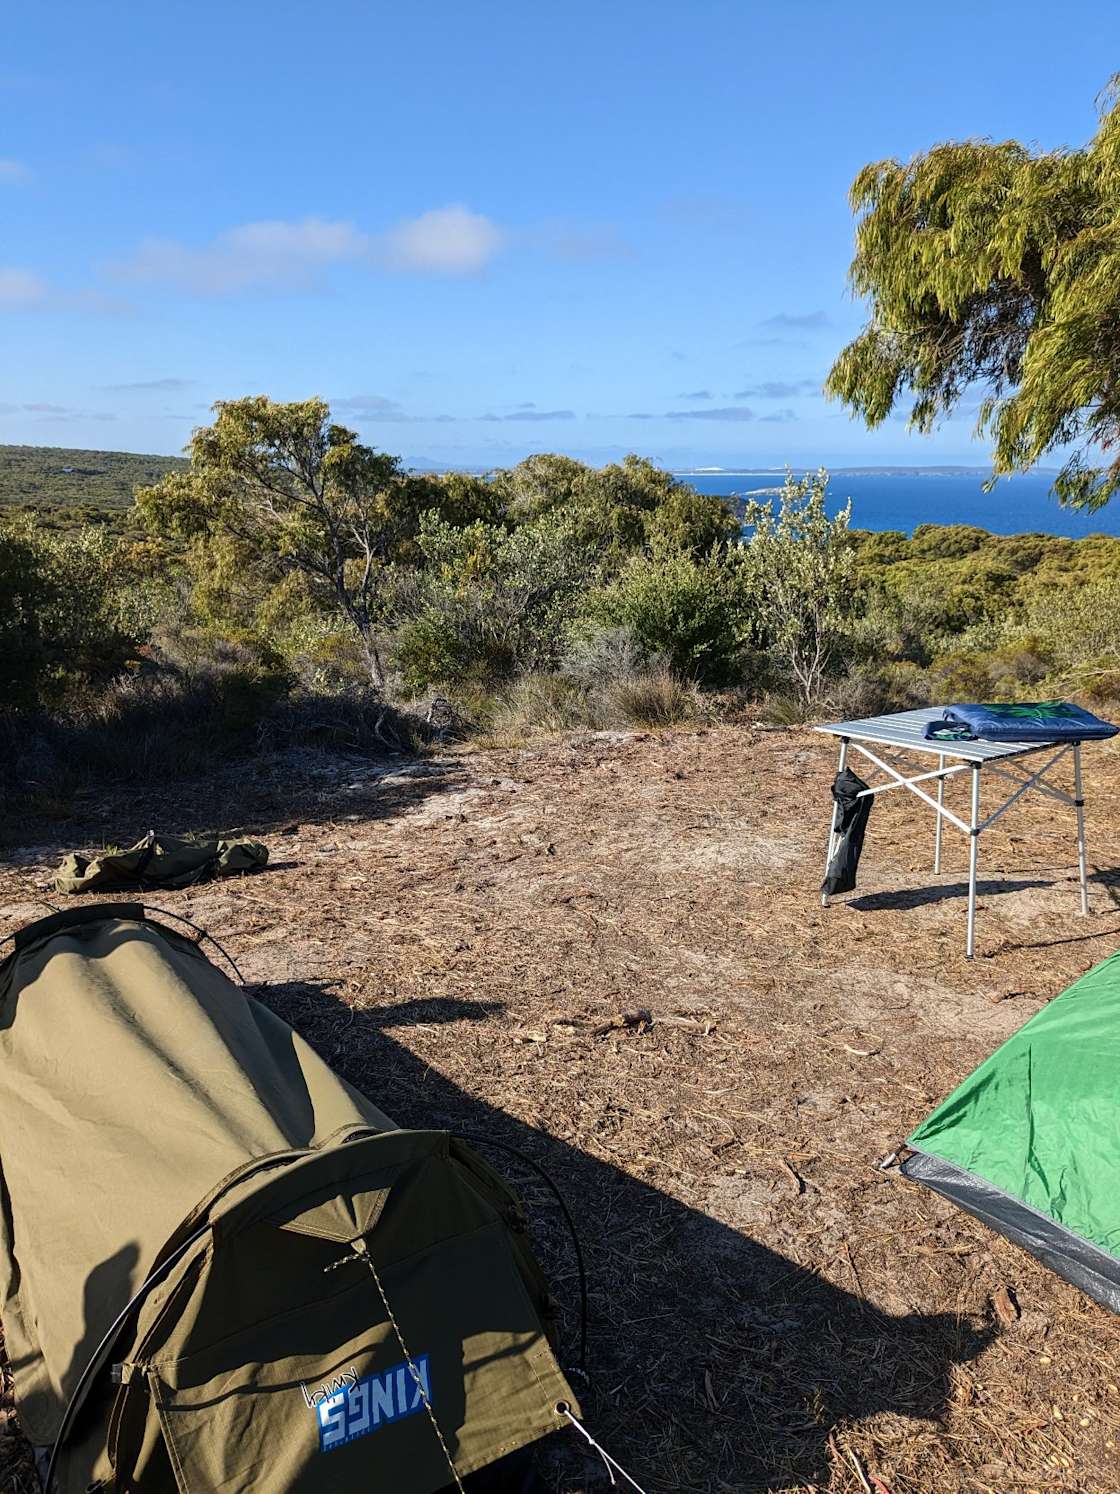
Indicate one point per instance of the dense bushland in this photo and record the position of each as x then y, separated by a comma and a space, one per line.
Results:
292, 586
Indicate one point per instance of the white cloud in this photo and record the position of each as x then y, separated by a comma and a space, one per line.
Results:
20, 289
24, 290
271, 255
14, 172
445, 241
279, 255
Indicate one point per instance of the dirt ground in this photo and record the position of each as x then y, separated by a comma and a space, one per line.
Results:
609, 952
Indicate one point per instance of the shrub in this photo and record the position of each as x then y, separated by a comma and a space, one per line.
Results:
1077, 622
692, 613
800, 569
599, 655
488, 603
1011, 672
74, 609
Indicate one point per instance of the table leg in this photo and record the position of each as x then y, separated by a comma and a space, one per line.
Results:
973, 847
835, 817
1079, 801
940, 802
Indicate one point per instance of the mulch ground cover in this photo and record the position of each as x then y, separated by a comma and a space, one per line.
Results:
608, 952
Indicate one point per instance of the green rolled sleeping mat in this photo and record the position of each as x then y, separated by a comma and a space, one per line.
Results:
159, 861
223, 1268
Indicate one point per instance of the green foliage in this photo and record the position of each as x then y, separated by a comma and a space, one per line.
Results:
73, 609
693, 613
68, 482
287, 559
617, 509
299, 494
991, 266
946, 541
1080, 623
1012, 671
799, 570
488, 603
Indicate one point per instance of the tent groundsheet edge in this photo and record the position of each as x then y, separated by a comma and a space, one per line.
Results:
1069, 1255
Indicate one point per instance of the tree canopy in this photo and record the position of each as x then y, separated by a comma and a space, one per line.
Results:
296, 489
993, 269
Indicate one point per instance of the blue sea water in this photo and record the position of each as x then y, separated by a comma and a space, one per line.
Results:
882, 500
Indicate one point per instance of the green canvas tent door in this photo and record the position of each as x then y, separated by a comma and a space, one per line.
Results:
322, 1302
1030, 1142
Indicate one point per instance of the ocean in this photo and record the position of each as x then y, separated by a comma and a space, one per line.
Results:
883, 500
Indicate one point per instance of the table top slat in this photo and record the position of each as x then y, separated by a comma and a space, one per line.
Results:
907, 729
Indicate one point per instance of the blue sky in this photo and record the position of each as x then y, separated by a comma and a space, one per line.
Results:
484, 229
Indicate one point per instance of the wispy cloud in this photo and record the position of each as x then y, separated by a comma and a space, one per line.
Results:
709, 210
796, 321
44, 411
532, 414
370, 405
779, 389
729, 413
577, 241
779, 417
297, 254
717, 412
14, 173
376, 409
22, 289
164, 385
268, 255
699, 394
277, 254
770, 342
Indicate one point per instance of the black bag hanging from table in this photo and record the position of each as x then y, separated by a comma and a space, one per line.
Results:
854, 812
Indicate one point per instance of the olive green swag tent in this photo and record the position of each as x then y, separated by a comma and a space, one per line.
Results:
323, 1302
1029, 1142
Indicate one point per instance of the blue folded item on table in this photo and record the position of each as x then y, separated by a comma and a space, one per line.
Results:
1035, 721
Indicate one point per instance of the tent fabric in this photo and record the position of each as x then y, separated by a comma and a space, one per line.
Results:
854, 814
1028, 1141
145, 1097
1040, 721
159, 861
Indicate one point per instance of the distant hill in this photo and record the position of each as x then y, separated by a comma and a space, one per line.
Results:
56, 477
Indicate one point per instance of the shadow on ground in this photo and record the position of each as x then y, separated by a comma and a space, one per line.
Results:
920, 897
278, 793
716, 1363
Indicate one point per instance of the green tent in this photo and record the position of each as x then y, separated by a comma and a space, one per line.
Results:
222, 1268
1029, 1142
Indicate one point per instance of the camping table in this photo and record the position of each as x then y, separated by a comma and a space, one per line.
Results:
904, 731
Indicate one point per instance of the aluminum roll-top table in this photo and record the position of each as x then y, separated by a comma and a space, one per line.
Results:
903, 732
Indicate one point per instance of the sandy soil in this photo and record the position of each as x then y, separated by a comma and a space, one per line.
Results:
609, 952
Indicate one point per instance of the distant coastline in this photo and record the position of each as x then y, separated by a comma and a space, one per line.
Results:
983, 473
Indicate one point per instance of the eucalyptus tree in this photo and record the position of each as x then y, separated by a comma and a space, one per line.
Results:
992, 271
299, 493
